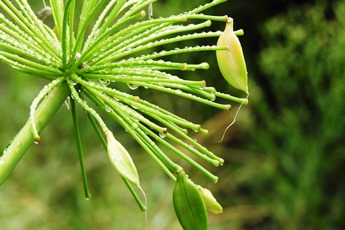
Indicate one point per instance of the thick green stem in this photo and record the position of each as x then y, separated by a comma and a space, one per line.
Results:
25, 138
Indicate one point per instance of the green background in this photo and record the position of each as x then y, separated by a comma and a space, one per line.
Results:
284, 157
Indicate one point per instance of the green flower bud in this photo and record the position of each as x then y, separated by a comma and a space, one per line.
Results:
121, 160
211, 203
188, 204
231, 62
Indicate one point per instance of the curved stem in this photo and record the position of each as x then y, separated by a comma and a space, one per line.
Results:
25, 138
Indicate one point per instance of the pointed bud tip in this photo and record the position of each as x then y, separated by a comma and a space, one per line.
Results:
229, 19
210, 202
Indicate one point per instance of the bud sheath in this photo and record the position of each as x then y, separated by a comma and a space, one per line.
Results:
121, 160
231, 61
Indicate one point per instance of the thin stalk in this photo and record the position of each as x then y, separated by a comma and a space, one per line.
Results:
71, 27
98, 131
186, 95
206, 6
24, 24
144, 37
95, 29
30, 64
80, 150
232, 98
65, 36
141, 205
85, 18
123, 109
150, 45
88, 109
58, 13
137, 199
180, 154
98, 43
112, 15
182, 50
145, 143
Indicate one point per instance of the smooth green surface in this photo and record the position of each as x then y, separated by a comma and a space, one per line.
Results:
13, 153
189, 206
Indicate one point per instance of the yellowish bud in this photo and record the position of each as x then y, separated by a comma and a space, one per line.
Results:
121, 160
231, 62
210, 202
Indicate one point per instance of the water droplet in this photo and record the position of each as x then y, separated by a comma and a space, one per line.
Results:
213, 98
104, 82
77, 56
150, 11
132, 86
135, 125
73, 82
37, 139
68, 102
197, 128
178, 91
162, 135
108, 109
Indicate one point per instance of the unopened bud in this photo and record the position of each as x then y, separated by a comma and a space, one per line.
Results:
210, 202
121, 160
231, 61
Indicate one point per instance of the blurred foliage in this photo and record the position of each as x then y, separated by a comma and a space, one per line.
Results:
299, 122
283, 157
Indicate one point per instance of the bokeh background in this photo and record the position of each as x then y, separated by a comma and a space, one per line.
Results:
285, 155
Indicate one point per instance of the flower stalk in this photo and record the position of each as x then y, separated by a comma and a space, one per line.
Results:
80, 149
16, 149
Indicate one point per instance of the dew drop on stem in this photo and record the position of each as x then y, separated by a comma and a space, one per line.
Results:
132, 86
104, 82
108, 109
135, 125
68, 102
162, 135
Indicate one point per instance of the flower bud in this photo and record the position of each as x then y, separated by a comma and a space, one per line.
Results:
231, 62
188, 204
210, 202
121, 160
